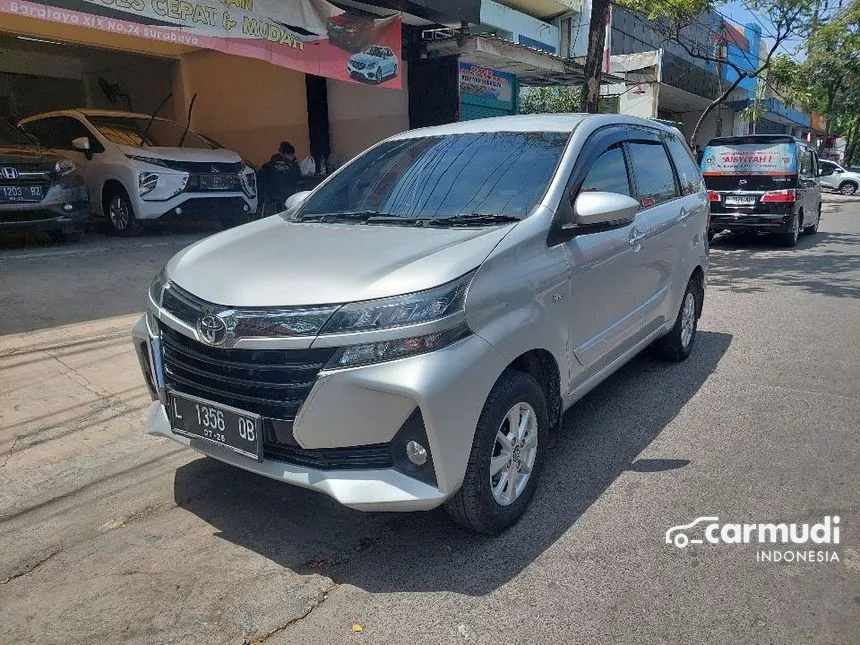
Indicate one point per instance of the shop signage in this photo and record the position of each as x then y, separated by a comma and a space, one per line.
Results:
310, 36
486, 83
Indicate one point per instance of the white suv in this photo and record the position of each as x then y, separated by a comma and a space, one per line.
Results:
142, 169
837, 178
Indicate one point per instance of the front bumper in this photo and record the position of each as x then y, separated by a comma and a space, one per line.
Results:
365, 74
197, 206
363, 407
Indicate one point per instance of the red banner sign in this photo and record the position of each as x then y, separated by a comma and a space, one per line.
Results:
310, 36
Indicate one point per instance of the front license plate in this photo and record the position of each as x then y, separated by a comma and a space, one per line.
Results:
10, 194
217, 182
234, 429
740, 200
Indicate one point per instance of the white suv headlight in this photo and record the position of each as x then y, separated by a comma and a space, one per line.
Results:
64, 167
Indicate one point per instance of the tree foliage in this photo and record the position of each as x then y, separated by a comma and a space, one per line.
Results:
542, 100
673, 19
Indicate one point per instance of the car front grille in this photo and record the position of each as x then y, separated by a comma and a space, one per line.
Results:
271, 383
205, 167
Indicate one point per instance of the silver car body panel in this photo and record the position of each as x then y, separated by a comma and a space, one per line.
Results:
590, 303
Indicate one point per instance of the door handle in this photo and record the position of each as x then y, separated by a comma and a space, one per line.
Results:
636, 237
684, 215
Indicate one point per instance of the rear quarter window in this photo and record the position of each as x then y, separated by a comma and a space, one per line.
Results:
688, 170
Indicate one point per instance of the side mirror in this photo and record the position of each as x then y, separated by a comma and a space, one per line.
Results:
599, 211
295, 200
83, 144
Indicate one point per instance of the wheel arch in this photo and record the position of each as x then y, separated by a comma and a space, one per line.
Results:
541, 364
698, 278
108, 188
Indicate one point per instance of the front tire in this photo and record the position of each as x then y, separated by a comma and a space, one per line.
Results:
847, 188
677, 345
507, 456
120, 214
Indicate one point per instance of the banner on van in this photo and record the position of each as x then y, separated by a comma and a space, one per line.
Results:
310, 36
750, 159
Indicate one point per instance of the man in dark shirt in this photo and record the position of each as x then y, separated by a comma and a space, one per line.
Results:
278, 178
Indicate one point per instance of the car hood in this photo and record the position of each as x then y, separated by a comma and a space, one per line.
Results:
367, 59
26, 154
272, 262
182, 154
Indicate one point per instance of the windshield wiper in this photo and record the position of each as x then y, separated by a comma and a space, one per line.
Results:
472, 219
342, 216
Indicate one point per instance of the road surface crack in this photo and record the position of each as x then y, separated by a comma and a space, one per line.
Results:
11, 450
30, 567
260, 640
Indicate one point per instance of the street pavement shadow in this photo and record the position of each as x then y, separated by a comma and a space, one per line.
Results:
826, 263
386, 552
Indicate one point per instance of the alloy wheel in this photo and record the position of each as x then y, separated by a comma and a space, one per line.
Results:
688, 319
118, 213
848, 189
514, 453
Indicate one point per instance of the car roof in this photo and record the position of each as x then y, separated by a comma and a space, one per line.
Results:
88, 112
531, 123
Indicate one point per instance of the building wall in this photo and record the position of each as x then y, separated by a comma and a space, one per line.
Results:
361, 115
744, 54
146, 80
247, 105
523, 28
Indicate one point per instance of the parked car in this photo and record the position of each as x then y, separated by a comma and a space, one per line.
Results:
350, 32
836, 177
142, 169
374, 64
39, 189
406, 335
763, 183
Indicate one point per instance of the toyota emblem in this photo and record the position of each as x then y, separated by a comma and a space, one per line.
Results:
212, 329
10, 173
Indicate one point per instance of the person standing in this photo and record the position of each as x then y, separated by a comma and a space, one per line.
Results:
278, 178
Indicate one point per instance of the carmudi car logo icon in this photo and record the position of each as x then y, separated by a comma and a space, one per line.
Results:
709, 530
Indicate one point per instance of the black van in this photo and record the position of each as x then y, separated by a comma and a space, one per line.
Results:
762, 183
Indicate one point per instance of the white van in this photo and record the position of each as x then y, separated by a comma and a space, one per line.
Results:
143, 169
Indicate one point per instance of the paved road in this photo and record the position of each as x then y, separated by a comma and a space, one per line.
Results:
109, 535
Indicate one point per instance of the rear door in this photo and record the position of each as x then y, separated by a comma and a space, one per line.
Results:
827, 174
663, 215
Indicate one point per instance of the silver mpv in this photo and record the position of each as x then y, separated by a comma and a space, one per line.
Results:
408, 334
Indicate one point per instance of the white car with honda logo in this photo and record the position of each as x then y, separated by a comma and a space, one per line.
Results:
141, 168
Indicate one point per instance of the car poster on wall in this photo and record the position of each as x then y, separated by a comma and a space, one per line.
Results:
310, 36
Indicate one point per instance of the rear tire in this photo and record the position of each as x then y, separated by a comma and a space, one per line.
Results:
789, 240
813, 229
490, 502
677, 345
120, 214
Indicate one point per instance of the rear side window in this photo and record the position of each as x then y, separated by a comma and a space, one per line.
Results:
655, 179
59, 132
805, 162
608, 174
688, 169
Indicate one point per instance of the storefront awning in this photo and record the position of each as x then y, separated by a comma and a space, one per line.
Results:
531, 66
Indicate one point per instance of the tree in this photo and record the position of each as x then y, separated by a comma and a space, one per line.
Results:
828, 80
594, 55
674, 19
542, 100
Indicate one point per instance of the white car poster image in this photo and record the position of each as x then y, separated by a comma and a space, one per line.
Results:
373, 64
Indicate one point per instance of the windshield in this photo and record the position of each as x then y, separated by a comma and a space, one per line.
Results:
499, 173
12, 136
128, 131
374, 51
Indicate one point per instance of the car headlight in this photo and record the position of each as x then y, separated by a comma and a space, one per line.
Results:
64, 167
389, 350
411, 309
152, 160
157, 286
248, 179
146, 182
